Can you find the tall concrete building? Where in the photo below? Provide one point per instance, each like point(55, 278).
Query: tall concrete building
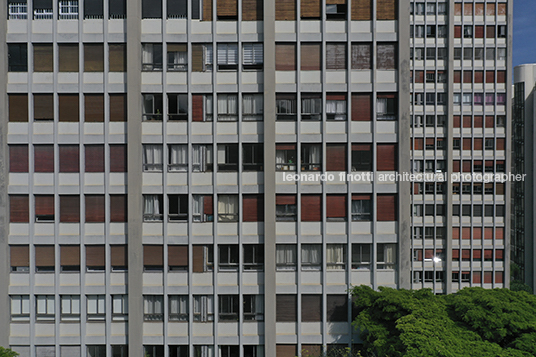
point(159, 189)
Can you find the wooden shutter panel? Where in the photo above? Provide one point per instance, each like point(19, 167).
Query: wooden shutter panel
point(285, 199)
point(198, 256)
point(70, 209)
point(456, 233)
point(153, 255)
point(119, 255)
point(386, 9)
point(457, 76)
point(467, 121)
point(466, 254)
point(68, 57)
point(336, 157)
point(44, 205)
point(253, 208)
point(208, 204)
point(252, 10)
point(479, 76)
point(490, 121)
point(419, 144)
point(488, 277)
point(197, 57)
point(335, 206)
point(118, 57)
point(361, 56)
point(95, 212)
point(501, 76)
point(207, 10)
point(499, 254)
point(310, 9)
point(93, 57)
point(43, 107)
point(285, 10)
point(499, 233)
point(466, 166)
point(70, 255)
point(311, 308)
point(44, 256)
point(387, 209)
point(313, 205)
point(468, 9)
point(95, 256)
point(477, 232)
point(44, 158)
point(501, 9)
point(18, 158)
point(118, 208)
point(490, 77)
point(499, 277)
point(500, 144)
point(467, 77)
point(285, 57)
point(477, 254)
point(18, 107)
point(94, 158)
point(418, 77)
point(178, 255)
point(286, 308)
point(19, 255)
point(488, 233)
point(362, 107)
point(490, 31)
point(479, 9)
point(118, 158)
point(361, 10)
point(69, 158)
point(336, 56)
point(197, 107)
point(386, 56)
point(466, 144)
point(477, 277)
point(386, 157)
point(479, 31)
point(94, 108)
point(68, 107)
point(478, 143)
point(286, 351)
point(118, 107)
point(455, 254)
point(311, 58)
point(457, 31)
point(43, 58)
point(227, 8)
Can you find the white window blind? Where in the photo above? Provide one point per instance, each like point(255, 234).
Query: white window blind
point(253, 53)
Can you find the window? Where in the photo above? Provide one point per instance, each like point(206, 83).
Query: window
point(93, 9)
point(228, 308)
point(253, 307)
point(311, 307)
point(431, 31)
point(19, 258)
point(361, 56)
point(286, 309)
point(311, 107)
point(95, 260)
point(361, 157)
point(117, 56)
point(177, 56)
point(152, 158)
point(203, 258)
point(68, 9)
point(285, 209)
point(311, 256)
point(285, 156)
point(227, 107)
point(386, 107)
point(467, 99)
point(386, 256)
point(17, 11)
point(68, 57)
point(153, 258)
point(152, 107)
point(227, 208)
point(202, 210)
point(45, 307)
point(252, 107)
point(42, 10)
point(417, 8)
point(178, 308)
point(17, 56)
point(311, 157)
point(44, 208)
point(152, 56)
point(336, 11)
point(336, 107)
point(468, 31)
point(501, 31)
point(361, 257)
point(468, 54)
point(178, 351)
point(253, 56)
point(70, 258)
point(153, 351)
point(286, 106)
point(119, 308)
point(228, 254)
point(203, 309)
point(153, 307)
point(178, 106)
point(178, 157)
point(336, 256)
point(253, 157)
point(178, 208)
point(253, 256)
point(202, 55)
point(418, 31)
point(70, 307)
point(286, 257)
point(202, 158)
point(20, 308)
point(153, 208)
point(335, 56)
point(96, 351)
point(227, 56)
point(361, 208)
point(229, 351)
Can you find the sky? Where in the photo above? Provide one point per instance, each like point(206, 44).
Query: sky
point(524, 32)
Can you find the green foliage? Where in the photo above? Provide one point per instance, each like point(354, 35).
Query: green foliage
point(6, 352)
point(473, 322)
point(516, 285)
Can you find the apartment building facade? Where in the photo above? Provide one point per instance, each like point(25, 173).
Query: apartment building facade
point(151, 147)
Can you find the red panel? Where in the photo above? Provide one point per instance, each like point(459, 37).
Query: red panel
point(311, 208)
point(18, 158)
point(118, 158)
point(386, 159)
point(253, 208)
point(197, 107)
point(69, 158)
point(387, 210)
point(336, 206)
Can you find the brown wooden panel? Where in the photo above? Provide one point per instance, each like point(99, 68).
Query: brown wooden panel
point(458, 9)
point(118, 107)
point(178, 255)
point(68, 57)
point(466, 165)
point(479, 31)
point(310, 9)
point(18, 107)
point(479, 9)
point(43, 107)
point(119, 255)
point(153, 255)
point(197, 57)
point(198, 256)
point(337, 308)
point(490, 76)
point(44, 205)
point(501, 76)
point(361, 56)
point(18, 158)
point(227, 8)
point(468, 9)
point(286, 308)
point(286, 351)
point(118, 208)
point(457, 76)
point(44, 158)
point(93, 57)
point(285, 199)
point(418, 77)
point(490, 31)
point(19, 255)
point(361, 10)
point(69, 208)
point(118, 158)
point(252, 10)
point(467, 77)
point(336, 56)
point(208, 204)
point(118, 57)
point(285, 146)
point(455, 254)
point(362, 107)
point(419, 144)
point(44, 256)
point(386, 9)
point(43, 58)
point(285, 10)
point(386, 207)
point(336, 206)
point(95, 212)
point(197, 107)
point(478, 143)
point(95, 256)
point(479, 76)
point(69, 158)
point(285, 57)
point(501, 8)
point(94, 108)
point(457, 31)
point(336, 157)
point(311, 56)
point(500, 144)
point(313, 213)
point(70, 255)
point(207, 10)
point(68, 107)
point(311, 308)
point(490, 9)
point(386, 56)
point(94, 158)
point(253, 208)
point(386, 157)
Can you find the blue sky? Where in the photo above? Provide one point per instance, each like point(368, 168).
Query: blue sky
point(524, 32)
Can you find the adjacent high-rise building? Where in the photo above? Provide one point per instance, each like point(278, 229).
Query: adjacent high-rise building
point(211, 177)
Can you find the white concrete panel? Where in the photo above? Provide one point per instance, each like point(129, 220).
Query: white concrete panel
point(94, 229)
point(94, 78)
point(17, 78)
point(227, 329)
point(386, 227)
point(336, 228)
point(44, 279)
point(118, 128)
point(177, 128)
point(253, 278)
point(253, 228)
point(336, 26)
point(338, 76)
point(177, 278)
point(178, 229)
point(117, 26)
point(311, 328)
point(280, 178)
point(93, 129)
point(68, 26)
point(19, 229)
point(151, 26)
point(19, 279)
point(203, 329)
point(311, 127)
point(251, 26)
point(310, 26)
point(386, 26)
point(44, 330)
point(152, 179)
point(360, 277)
point(252, 128)
point(177, 179)
point(69, 128)
point(286, 328)
point(118, 228)
point(71, 229)
point(95, 329)
point(93, 26)
point(285, 228)
point(153, 329)
point(118, 179)
point(69, 179)
point(151, 78)
point(152, 279)
point(388, 127)
point(119, 329)
point(361, 227)
point(16, 26)
point(311, 228)
point(252, 178)
point(285, 127)
point(227, 178)
point(202, 229)
point(201, 77)
point(228, 278)
point(311, 277)
point(286, 278)
point(202, 128)
point(226, 27)
point(152, 229)
point(285, 76)
point(386, 76)
point(176, 26)
point(252, 77)
point(227, 77)
point(20, 330)
point(18, 179)
point(41, 26)
point(227, 128)
point(117, 77)
point(118, 279)
point(95, 279)
point(43, 128)
point(44, 229)
point(94, 179)
point(177, 329)
point(361, 26)
point(202, 279)
point(336, 277)
point(177, 77)
point(387, 277)
point(285, 26)
point(17, 128)
point(70, 329)
point(253, 328)
point(68, 77)
point(336, 127)
point(227, 229)
point(310, 76)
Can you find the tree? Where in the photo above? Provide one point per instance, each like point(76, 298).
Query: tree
point(6, 352)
